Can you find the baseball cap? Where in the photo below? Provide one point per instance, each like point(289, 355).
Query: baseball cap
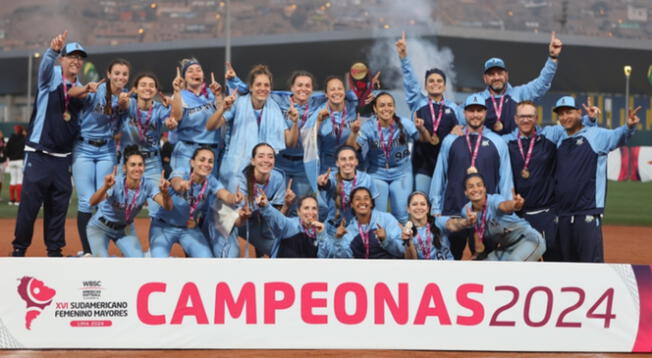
point(73, 47)
point(494, 62)
point(566, 101)
point(474, 100)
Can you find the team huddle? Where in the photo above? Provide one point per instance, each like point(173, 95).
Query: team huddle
point(305, 174)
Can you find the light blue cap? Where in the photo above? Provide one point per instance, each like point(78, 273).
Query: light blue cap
point(73, 47)
point(494, 62)
point(566, 101)
point(474, 100)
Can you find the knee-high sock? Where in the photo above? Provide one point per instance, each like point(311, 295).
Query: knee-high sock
point(82, 222)
point(12, 196)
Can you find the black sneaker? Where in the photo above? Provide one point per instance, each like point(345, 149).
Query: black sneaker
point(54, 253)
point(18, 252)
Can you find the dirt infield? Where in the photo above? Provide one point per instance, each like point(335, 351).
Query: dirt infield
point(623, 244)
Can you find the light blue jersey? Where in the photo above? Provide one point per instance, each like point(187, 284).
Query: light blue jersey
point(196, 111)
point(333, 132)
point(143, 129)
point(423, 242)
point(344, 187)
point(114, 208)
point(352, 244)
point(396, 161)
point(94, 123)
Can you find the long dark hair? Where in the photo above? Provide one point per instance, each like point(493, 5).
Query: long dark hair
point(249, 172)
point(199, 149)
point(108, 108)
point(434, 230)
point(402, 138)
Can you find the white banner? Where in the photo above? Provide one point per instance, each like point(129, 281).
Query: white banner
point(249, 303)
point(645, 164)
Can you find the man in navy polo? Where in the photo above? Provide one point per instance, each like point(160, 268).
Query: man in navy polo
point(477, 151)
point(581, 180)
point(53, 127)
point(501, 98)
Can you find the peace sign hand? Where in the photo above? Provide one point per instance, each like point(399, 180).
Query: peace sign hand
point(375, 81)
point(591, 110)
point(229, 74)
point(59, 41)
point(554, 48)
point(178, 83)
point(293, 113)
point(471, 217)
point(632, 118)
point(401, 46)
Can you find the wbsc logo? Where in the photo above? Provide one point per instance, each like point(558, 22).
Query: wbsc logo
point(37, 297)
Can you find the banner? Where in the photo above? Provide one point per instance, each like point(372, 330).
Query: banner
point(324, 304)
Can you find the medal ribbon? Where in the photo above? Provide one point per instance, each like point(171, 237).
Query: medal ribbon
point(425, 245)
point(310, 231)
point(194, 201)
point(528, 157)
point(304, 117)
point(259, 117)
point(498, 109)
point(435, 123)
point(66, 97)
point(386, 146)
point(474, 152)
point(364, 236)
point(345, 202)
point(479, 230)
point(338, 128)
point(143, 127)
point(129, 207)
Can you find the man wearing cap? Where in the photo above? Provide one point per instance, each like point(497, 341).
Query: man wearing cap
point(477, 151)
point(581, 180)
point(533, 154)
point(53, 128)
point(440, 115)
point(501, 98)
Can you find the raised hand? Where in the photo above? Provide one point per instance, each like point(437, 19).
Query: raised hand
point(235, 197)
point(591, 110)
point(341, 229)
point(178, 83)
point(356, 125)
point(91, 87)
point(554, 48)
point(289, 194)
point(230, 72)
point(370, 98)
point(318, 226)
point(418, 122)
point(261, 198)
point(184, 186)
point(471, 216)
point(163, 184)
point(171, 123)
point(632, 118)
point(165, 100)
point(123, 98)
point(59, 41)
point(518, 201)
point(323, 114)
point(244, 214)
point(293, 113)
point(322, 180)
point(375, 81)
point(401, 46)
point(215, 87)
point(406, 231)
point(109, 179)
point(381, 234)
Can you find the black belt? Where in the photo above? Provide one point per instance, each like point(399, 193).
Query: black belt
point(292, 157)
point(201, 144)
point(95, 143)
point(111, 224)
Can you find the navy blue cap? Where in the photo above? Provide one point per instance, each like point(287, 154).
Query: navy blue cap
point(494, 62)
point(474, 100)
point(73, 47)
point(566, 101)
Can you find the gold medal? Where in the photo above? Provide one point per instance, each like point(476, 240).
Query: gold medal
point(66, 116)
point(525, 173)
point(472, 170)
point(435, 139)
point(191, 223)
point(498, 126)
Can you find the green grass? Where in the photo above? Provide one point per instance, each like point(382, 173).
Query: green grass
point(628, 203)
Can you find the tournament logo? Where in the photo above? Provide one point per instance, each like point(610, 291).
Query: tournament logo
point(37, 297)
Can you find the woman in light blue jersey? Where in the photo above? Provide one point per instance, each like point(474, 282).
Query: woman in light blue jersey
point(120, 199)
point(424, 236)
point(94, 152)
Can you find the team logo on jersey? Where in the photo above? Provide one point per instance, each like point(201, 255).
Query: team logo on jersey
point(447, 111)
point(37, 297)
point(485, 143)
point(579, 141)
